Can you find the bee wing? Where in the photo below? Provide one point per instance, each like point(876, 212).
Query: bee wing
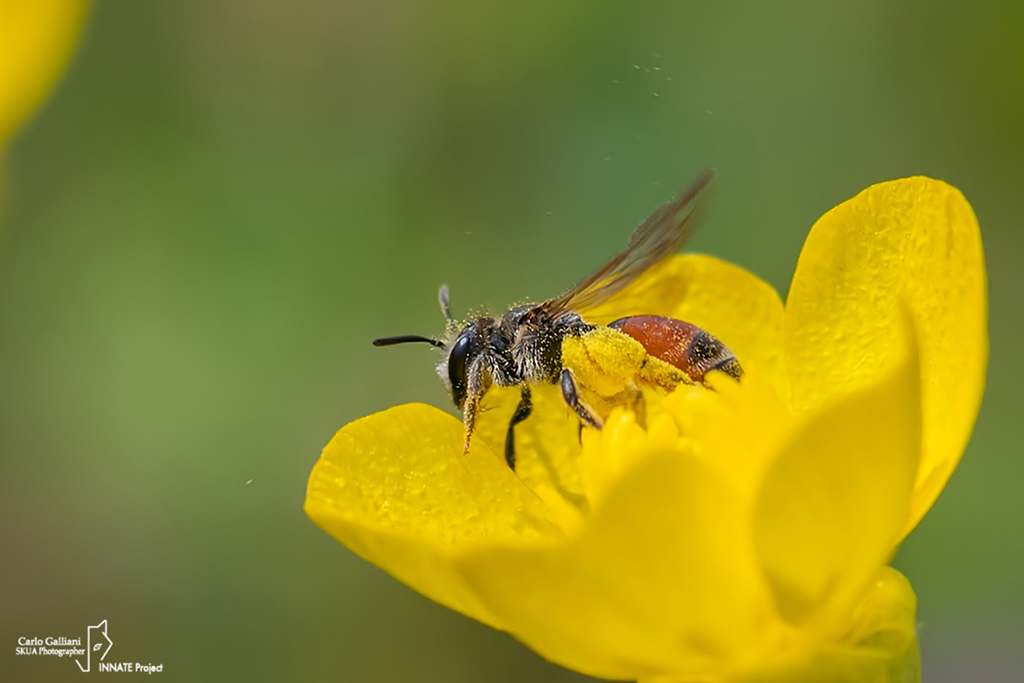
point(664, 232)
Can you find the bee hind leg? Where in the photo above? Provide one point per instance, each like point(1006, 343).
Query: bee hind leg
point(640, 409)
point(635, 400)
point(523, 411)
point(571, 395)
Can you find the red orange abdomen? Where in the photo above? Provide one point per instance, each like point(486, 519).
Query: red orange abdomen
point(679, 343)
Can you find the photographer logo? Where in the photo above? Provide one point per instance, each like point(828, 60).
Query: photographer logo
point(93, 653)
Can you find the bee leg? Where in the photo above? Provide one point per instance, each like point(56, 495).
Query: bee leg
point(640, 408)
point(474, 390)
point(523, 411)
point(469, 409)
point(571, 395)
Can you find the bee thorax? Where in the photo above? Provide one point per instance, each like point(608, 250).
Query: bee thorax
point(537, 349)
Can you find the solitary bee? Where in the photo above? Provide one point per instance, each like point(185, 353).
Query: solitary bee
point(552, 343)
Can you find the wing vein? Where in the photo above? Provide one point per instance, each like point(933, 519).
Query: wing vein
point(664, 232)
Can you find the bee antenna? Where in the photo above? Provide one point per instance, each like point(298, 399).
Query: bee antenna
point(406, 338)
point(443, 299)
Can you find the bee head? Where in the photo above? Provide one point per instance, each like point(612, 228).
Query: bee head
point(454, 369)
point(459, 352)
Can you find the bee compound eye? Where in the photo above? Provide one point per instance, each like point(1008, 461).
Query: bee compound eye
point(458, 360)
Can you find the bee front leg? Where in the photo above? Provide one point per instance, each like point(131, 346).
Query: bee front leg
point(523, 411)
point(571, 395)
point(474, 391)
point(469, 410)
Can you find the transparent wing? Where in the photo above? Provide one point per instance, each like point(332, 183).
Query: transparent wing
point(663, 233)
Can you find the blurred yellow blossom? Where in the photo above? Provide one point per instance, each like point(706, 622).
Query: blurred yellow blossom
point(36, 40)
point(745, 534)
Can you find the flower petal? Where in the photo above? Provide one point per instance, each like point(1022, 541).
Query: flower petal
point(914, 241)
point(36, 37)
point(886, 620)
point(833, 504)
point(396, 488)
point(547, 443)
point(729, 302)
point(738, 428)
point(880, 648)
point(658, 581)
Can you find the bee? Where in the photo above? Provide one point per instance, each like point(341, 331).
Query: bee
point(551, 342)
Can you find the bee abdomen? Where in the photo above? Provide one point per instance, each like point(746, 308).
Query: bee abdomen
point(681, 344)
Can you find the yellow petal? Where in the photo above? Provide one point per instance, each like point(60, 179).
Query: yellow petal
point(886, 620)
point(880, 647)
point(738, 428)
point(36, 37)
point(834, 502)
point(547, 442)
point(658, 581)
point(917, 241)
point(396, 489)
point(729, 302)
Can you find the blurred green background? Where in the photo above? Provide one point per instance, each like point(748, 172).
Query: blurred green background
point(224, 202)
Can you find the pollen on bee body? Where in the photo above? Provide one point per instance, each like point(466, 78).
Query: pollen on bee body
point(604, 361)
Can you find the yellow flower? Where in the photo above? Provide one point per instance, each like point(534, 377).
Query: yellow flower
point(745, 534)
point(36, 38)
